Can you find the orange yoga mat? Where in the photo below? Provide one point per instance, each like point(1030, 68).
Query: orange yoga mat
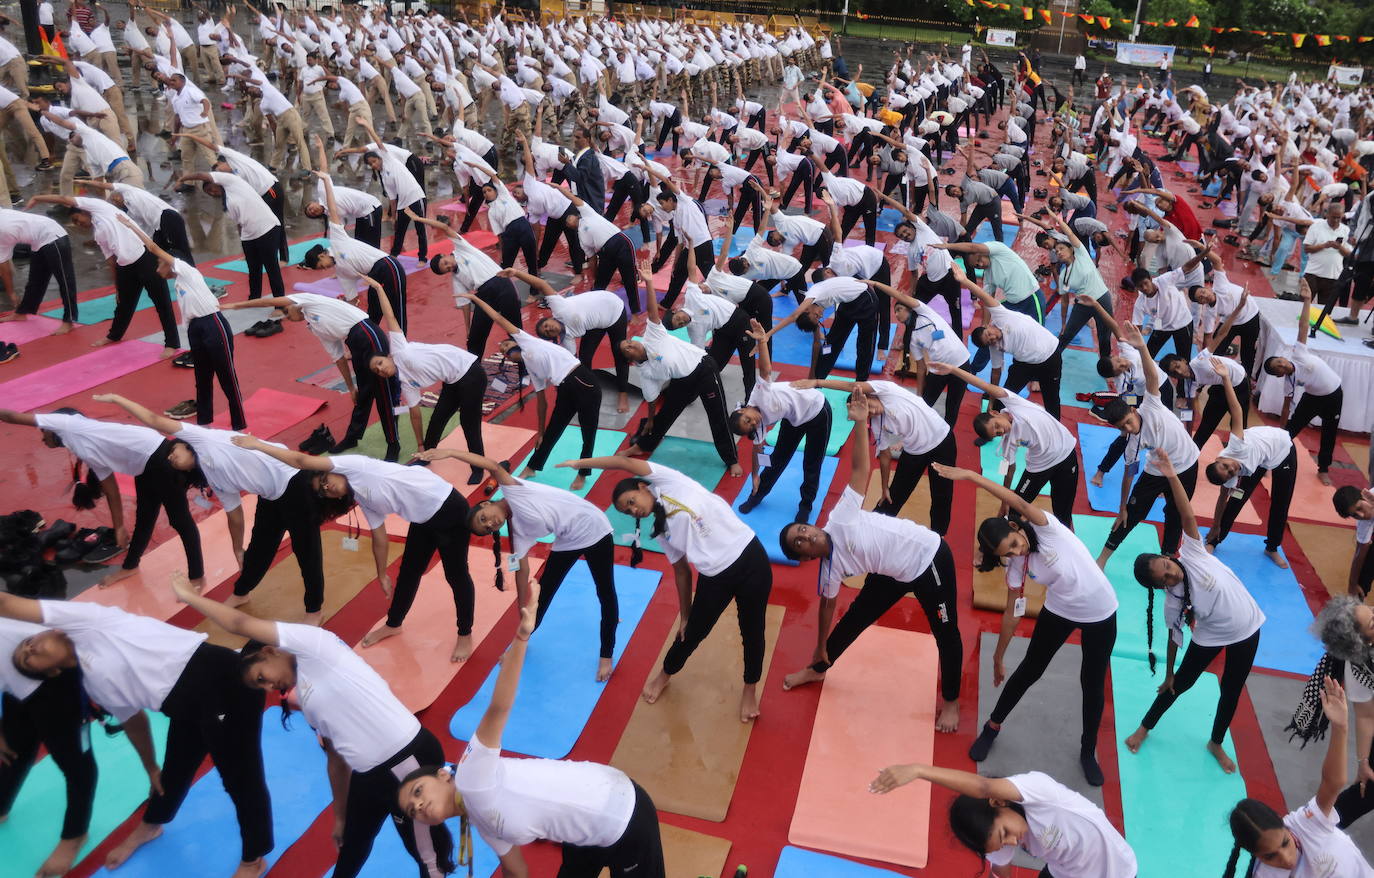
point(1328, 550)
point(1205, 494)
point(415, 662)
point(280, 595)
point(149, 592)
point(686, 749)
point(877, 708)
point(500, 443)
point(1312, 499)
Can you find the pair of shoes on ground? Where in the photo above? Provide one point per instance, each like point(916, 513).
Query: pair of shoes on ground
point(264, 328)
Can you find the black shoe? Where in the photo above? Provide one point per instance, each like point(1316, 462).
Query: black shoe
point(1092, 772)
point(256, 328)
point(318, 441)
point(185, 361)
point(59, 530)
point(982, 745)
point(272, 328)
point(8, 352)
point(750, 505)
point(477, 476)
point(393, 453)
point(343, 445)
point(418, 462)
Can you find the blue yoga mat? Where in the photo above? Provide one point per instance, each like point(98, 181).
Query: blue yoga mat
point(793, 346)
point(296, 251)
point(984, 233)
point(780, 506)
point(1094, 441)
point(204, 836)
point(692, 457)
point(389, 857)
point(800, 863)
point(743, 235)
point(1285, 643)
point(558, 689)
point(888, 218)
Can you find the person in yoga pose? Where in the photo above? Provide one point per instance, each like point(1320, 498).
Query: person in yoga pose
point(1201, 592)
point(370, 739)
point(996, 816)
point(895, 556)
point(599, 816)
point(1033, 544)
point(698, 529)
point(532, 511)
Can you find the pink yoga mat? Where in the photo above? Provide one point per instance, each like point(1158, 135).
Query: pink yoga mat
point(415, 663)
point(877, 708)
point(46, 386)
point(24, 331)
point(269, 411)
point(1205, 494)
point(326, 287)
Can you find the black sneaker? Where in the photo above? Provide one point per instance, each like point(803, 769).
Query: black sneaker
point(8, 352)
point(319, 441)
point(182, 410)
point(343, 445)
point(184, 360)
point(272, 328)
point(45, 165)
point(105, 547)
point(1092, 772)
point(982, 745)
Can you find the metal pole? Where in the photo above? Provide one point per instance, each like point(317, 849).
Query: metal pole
point(1135, 25)
point(1062, 19)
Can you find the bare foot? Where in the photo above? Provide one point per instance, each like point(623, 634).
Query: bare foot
point(622, 403)
point(377, 635)
point(168, 353)
point(1277, 559)
point(603, 670)
point(115, 576)
point(526, 473)
point(635, 451)
point(947, 720)
point(237, 600)
point(1222, 759)
point(101, 342)
point(735, 470)
point(1097, 480)
point(749, 703)
point(461, 649)
point(16, 318)
point(654, 688)
point(59, 862)
point(1325, 478)
point(142, 834)
point(316, 618)
point(251, 869)
point(579, 482)
point(1136, 739)
point(64, 329)
point(801, 678)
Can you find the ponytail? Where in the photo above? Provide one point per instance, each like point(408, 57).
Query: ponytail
point(85, 489)
point(660, 523)
point(496, 552)
point(1147, 579)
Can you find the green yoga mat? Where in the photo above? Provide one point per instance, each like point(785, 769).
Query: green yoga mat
point(991, 455)
point(691, 457)
point(373, 443)
point(1130, 616)
point(297, 252)
point(35, 821)
point(569, 447)
point(840, 425)
point(1173, 767)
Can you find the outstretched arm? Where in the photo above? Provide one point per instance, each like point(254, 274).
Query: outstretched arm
point(508, 679)
point(297, 459)
point(1182, 503)
point(162, 255)
point(538, 285)
point(963, 782)
point(646, 272)
point(991, 390)
point(1030, 512)
point(1130, 334)
point(477, 461)
point(1305, 315)
point(146, 416)
point(1335, 769)
point(231, 620)
point(631, 465)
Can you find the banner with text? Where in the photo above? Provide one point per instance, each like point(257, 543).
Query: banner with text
point(1143, 54)
point(1346, 75)
point(1000, 37)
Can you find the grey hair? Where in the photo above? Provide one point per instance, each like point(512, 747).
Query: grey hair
point(1335, 626)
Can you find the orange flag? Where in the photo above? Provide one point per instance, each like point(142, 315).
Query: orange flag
point(1104, 21)
point(1323, 40)
point(1191, 22)
point(1047, 15)
point(1171, 23)
point(1298, 40)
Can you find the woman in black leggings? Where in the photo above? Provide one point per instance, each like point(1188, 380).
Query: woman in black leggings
point(50, 713)
point(698, 529)
point(533, 511)
point(1201, 592)
point(585, 318)
point(1078, 597)
point(552, 365)
point(896, 557)
point(130, 664)
point(369, 737)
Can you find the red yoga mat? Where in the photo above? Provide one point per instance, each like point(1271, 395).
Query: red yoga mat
point(269, 411)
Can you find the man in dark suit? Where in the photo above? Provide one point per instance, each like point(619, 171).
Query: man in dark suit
point(584, 171)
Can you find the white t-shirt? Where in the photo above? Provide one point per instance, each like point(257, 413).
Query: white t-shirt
point(513, 802)
point(933, 339)
point(104, 446)
point(1022, 337)
point(344, 699)
point(669, 357)
point(420, 365)
point(1260, 447)
point(1205, 376)
point(381, 489)
point(701, 526)
point(1075, 587)
point(906, 421)
point(548, 364)
point(1046, 440)
point(539, 510)
point(1160, 428)
point(1068, 832)
point(245, 206)
point(781, 401)
point(1223, 609)
point(12, 633)
point(1310, 372)
point(1325, 850)
point(128, 663)
point(329, 320)
point(230, 469)
point(866, 542)
point(594, 309)
point(1328, 261)
point(18, 227)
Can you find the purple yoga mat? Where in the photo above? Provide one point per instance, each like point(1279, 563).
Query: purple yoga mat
point(327, 287)
point(46, 386)
point(24, 331)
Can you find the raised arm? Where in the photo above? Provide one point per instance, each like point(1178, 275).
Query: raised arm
point(508, 678)
point(1305, 315)
point(297, 459)
point(1028, 511)
point(496, 316)
point(1335, 768)
point(146, 416)
point(443, 227)
point(1130, 334)
point(231, 620)
point(860, 454)
point(992, 390)
point(963, 782)
point(631, 465)
point(646, 272)
point(1182, 503)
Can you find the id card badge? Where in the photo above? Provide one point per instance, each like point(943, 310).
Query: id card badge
point(1185, 415)
point(512, 563)
point(825, 350)
point(350, 544)
point(937, 335)
point(765, 458)
point(1018, 609)
point(1003, 467)
point(1131, 399)
point(498, 385)
point(1237, 494)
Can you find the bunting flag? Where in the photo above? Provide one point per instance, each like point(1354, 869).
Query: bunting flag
point(1218, 30)
point(55, 48)
point(1323, 39)
point(1171, 23)
point(1027, 12)
point(1005, 6)
point(1090, 19)
point(1191, 22)
point(1047, 15)
point(1363, 39)
point(1210, 50)
point(1262, 33)
point(1297, 40)
point(1343, 38)
point(1104, 21)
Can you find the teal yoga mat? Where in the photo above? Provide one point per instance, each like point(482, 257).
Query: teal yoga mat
point(1079, 375)
point(780, 506)
point(558, 688)
point(569, 447)
point(694, 458)
point(990, 456)
point(35, 821)
point(1130, 616)
point(99, 309)
point(204, 837)
point(296, 251)
point(800, 863)
point(840, 425)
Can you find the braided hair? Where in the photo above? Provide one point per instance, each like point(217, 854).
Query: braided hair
point(495, 546)
point(660, 524)
point(1147, 579)
point(1249, 820)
